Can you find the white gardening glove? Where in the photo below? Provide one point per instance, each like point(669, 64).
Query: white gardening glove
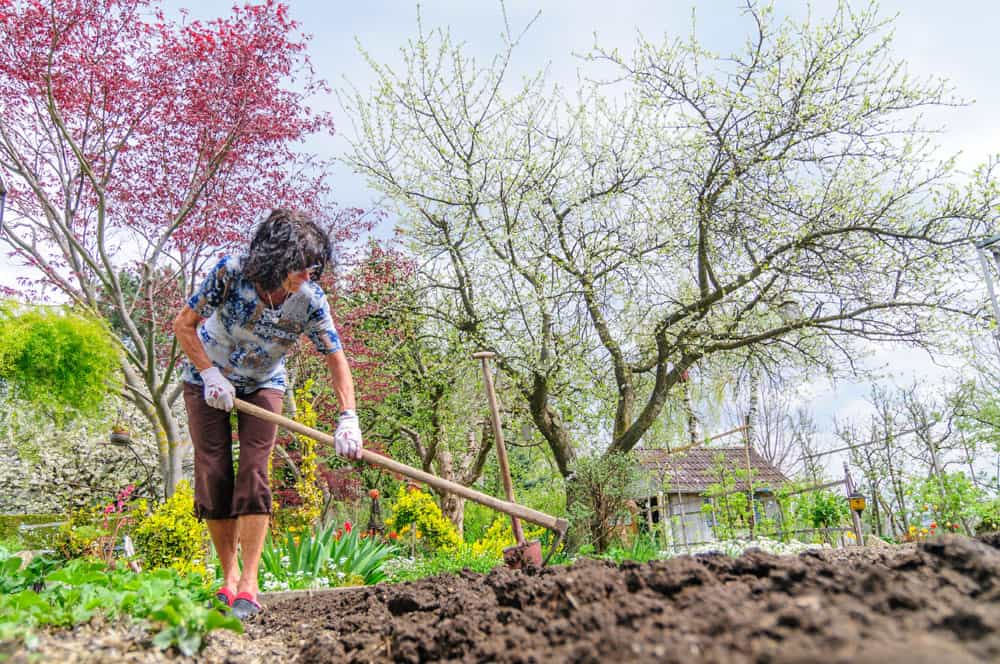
point(219, 392)
point(347, 437)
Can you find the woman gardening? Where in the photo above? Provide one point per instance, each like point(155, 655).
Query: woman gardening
point(236, 330)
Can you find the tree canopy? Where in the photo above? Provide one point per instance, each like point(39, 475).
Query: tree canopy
point(680, 207)
point(136, 149)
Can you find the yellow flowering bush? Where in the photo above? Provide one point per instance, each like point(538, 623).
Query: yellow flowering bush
point(172, 536)
point(417, 510)
point(500, 535)
point(307, 485)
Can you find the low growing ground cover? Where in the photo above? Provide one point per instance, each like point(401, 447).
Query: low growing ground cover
point(173, 610)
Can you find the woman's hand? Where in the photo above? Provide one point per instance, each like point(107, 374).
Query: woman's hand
point(347, 437)
point(219, 392)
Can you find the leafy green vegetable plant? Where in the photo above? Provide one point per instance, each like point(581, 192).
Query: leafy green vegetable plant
point(180, 609)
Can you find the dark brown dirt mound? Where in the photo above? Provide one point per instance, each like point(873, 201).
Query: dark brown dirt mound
point(939, 602)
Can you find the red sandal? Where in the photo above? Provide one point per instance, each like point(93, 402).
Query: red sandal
point(245, 605)
point(225, 595)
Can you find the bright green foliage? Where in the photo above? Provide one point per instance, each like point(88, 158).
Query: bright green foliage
point(15, 576)
point(327, 557)
point(729, 507)
point(180, 608)
point(821, 509)
point(643, 549)
point(417, 510)
point(440, 563)
point(171, 536)
point(597, 499)
point(949, 497)
point(78, 537)
point(56, 359)
point(988, 513)
point(186, 622)
point(37, 538)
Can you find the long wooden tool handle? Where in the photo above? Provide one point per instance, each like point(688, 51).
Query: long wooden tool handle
point(512, 509)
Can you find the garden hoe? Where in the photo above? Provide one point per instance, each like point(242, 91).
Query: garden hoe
point(556, 525)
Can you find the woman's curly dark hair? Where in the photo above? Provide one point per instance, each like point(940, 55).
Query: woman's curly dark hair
point(286, 242)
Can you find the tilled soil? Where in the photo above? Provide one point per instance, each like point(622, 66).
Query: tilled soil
point(935, 602)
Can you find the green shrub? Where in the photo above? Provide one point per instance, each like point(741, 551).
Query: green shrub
point(56, 359)
point(822, 509)
point(417, 510)
point(171, 536)
point(598, 497)
point(79, 536)
point(988, 514)
point(34, 539)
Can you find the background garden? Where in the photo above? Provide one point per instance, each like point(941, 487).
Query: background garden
point(665, 255)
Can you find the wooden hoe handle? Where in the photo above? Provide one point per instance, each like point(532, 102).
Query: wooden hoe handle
point(513, 509)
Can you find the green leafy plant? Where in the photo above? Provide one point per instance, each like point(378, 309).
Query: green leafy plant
point(600, 492)
point(949, 499)
point(16, 576)
point(988, 514)
point(357, 556)
point(186, 623)
point(180, 609)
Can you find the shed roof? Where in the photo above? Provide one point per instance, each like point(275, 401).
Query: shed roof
point(692, 471)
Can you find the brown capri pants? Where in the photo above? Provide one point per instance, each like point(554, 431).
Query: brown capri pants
point(219, 492)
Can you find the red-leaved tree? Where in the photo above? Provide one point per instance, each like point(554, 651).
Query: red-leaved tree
point(136, 149)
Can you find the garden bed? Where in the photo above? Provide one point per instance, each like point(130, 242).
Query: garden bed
point(936, 601)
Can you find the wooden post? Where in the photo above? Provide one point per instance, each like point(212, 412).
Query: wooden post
point(855, 518)
point(746, 451)
point(668, 535)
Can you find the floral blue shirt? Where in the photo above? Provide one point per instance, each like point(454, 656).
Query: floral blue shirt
point(247, 339)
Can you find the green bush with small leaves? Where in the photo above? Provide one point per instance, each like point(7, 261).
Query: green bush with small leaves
point(172, 536)
point(56, 358)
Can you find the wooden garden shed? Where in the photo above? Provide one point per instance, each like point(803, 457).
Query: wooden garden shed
point(673, 485)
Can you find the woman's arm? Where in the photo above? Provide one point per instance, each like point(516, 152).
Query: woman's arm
point(341, 378)
point(186, 329)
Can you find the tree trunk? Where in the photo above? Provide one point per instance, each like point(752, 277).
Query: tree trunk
point(692, 417)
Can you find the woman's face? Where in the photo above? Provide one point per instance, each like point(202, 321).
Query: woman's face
point(294, 280)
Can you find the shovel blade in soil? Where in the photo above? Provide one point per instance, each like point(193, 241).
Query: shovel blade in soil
point(522, 556)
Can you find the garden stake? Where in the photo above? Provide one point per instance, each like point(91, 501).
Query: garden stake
point(523, 554)
point(556, 525)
